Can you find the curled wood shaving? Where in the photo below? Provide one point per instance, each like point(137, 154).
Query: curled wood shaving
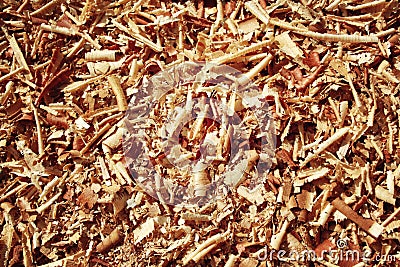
point(340, 37)
point(253, 48)
point(47, 205)
point(108, 55)
point(119, 93)
point(111, 240)
point(205, 247)
point(195, 217)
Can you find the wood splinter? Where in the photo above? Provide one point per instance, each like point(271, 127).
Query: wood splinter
point(244, 51)
point(60, 78)
point(100, 133)
point(277, 239)
point(39, 130)
point(256, 70)
point(19, 56)
point(371, 227)
point(391, 217)
point(336, 136)
point(200, 183)
point(231, 260)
